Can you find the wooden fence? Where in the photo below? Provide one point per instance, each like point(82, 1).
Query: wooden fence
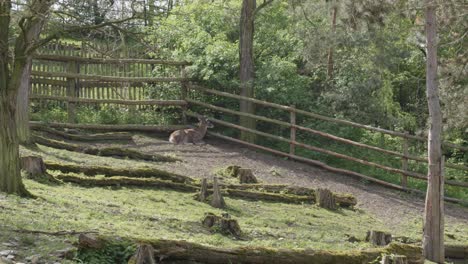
point(64, 76)
point(68, 76)
point(294, 144)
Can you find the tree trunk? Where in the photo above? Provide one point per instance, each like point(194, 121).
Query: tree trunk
point(22, 104)
point(217, 199)
point(332, 44)
point(19, 79)
point(326, 199)
point(247, 66)
point(378, 238)
point(10, 177)
point(433, 240)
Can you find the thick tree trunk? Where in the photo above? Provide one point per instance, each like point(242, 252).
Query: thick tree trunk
point(433, 240)
point(10, 177)
point(20, 75)
point(22, 104)
point(331, 48)
point(247, 66)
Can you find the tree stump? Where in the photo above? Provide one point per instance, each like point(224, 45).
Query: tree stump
point(325, 199)
point(143, 255)
point(217, 200)
point(224, 224)
point(394, 259)
point(378, 238)
point(33, 165)
point(36, 169)
point(203, 191)
point(246, 176)
point(90, 241)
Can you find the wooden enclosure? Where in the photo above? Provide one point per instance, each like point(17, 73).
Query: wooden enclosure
point(69, 76)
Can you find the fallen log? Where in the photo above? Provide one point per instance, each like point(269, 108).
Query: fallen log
point(84, 137)
point(344, 200)
point(270, 197)
point(127, 181)
point(171, 251)
point(104, 152)
point(108, 172)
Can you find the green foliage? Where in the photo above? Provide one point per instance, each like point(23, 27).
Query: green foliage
point(111, 253)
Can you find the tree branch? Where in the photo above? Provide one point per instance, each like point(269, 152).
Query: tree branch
point(261, 6)
point(58, 34)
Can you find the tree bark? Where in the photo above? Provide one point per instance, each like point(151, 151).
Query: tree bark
point(433, 240)
point(332, 44)
point(247, 66)
point(31, 28)
point(10, 177)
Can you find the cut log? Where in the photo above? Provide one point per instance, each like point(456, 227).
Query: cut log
point(203, 191)
point(217, 200)
point(127, 181)
point(108, 171)
point(325, 199)
point(75, 135)
point(394, 259)
point(171, 251)
point(378, 238)
point(143, 255)
point(33, 165)
point(246, 176)
point(223, 224)
point(271, 197)
point(104, 152)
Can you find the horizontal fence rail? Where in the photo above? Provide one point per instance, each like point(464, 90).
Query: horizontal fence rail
point(321, 117)
point(64, 58)
point(405, 156)
point(111, 101)
point(107, 78)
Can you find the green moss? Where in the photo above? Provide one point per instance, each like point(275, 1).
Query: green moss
point(228, 171)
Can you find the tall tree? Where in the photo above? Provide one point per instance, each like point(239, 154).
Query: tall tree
point(332, 44)
point(433, 240)
point(11, 75)
point(247, 66)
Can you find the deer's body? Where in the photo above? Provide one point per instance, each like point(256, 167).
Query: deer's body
point(191, 135)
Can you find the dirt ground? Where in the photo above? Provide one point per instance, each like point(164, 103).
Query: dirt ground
point(392, 207)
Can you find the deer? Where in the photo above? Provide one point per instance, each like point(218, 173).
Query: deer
point(191, 135)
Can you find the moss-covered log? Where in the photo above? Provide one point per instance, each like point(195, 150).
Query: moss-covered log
point(170, 251)
point(104, 152)
point(84, 137)
point(344, 200)
point(108, 171)
point(127, 181)
point(271, 197)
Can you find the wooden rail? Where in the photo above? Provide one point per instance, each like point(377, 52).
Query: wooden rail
point(145, 128)
point(293, 143)
point(107, 78)
point(65, 58)
point(321, 117)
point(110, 101)
point(328, 152)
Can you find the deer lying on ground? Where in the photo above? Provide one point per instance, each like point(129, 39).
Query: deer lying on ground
point(191, 135)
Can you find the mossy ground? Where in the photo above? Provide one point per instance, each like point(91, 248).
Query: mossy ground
point(166, 214)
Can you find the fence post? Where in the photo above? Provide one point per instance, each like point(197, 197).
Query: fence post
point(184, 93)
point(404, 162)
point(292, 146)
point(72, 90)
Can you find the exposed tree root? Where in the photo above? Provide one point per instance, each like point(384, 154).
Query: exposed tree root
point(85, 137)
point(170, 251)
point(108, 171)
point(104, 152)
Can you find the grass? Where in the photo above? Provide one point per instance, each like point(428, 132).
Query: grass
point(144, 213)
